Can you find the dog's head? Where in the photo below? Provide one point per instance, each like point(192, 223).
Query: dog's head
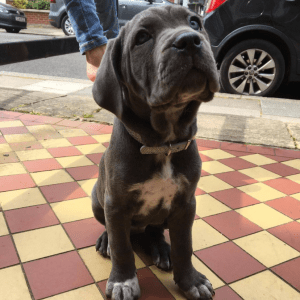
point(161, 59)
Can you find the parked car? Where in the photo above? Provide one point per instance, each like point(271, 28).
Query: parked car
point(12, 19)
point(256, 43)
point(127, 10)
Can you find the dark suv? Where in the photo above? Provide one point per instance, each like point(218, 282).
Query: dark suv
point(256, 43)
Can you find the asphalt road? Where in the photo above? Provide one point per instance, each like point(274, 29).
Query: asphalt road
point(74, 66)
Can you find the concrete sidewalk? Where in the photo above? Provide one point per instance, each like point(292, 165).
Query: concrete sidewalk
point(250, 120)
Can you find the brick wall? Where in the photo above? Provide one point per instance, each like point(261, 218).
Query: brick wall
point(35, 16)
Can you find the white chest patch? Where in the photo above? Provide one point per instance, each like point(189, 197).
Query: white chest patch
point(161, 187)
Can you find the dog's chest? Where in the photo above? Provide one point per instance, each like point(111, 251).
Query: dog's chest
point(158, 192)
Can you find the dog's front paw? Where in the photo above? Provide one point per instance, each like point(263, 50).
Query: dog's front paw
point(196, 286)
point(102, 245)
point(127, 290)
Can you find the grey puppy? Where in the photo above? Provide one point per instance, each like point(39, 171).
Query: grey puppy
point(153, 77)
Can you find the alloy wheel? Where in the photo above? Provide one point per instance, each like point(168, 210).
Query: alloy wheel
point(68, 27)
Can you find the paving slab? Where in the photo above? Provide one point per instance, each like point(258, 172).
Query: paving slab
point(295, 132)
point(280, 107)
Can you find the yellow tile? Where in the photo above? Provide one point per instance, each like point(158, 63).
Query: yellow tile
point(295, 163)
point(21, 198)
point(263, 215)
point(72, 132)
point(102, 138)
point(12, 284)
point(166, 278)
point(211, 184)
point(7, 124)
point(259, 174)
point(5, 148)
point(73, 210)
point(12, 169)
point(217, 154)
point(55, 143)
point(295, 178)
point(215, 167)
point(87, 185)
point(51, 177)
point(18, 138)
point(3, 227)
point(42, 242)
point(296, 196)
point(205, 236)
point(90, 292)
point(266, 248)
point(39, 129)
point(33, 154)
point(266, 286)
point(261, 191)
point(206, 205)
point(89, 149)
point(258, 159)
point(99, 266)
point(74, 161)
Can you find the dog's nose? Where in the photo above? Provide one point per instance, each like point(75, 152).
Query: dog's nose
point(187, 42)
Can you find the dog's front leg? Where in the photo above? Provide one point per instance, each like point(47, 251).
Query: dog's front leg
point(122, 283)
point(194, 284)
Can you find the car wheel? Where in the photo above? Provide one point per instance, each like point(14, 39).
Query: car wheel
point(67, 26)
point(12, 30)
point(252, 67)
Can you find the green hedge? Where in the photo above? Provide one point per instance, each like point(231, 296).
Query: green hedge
point(20, 4)
point(38, 4)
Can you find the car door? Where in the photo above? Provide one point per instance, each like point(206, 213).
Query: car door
point(286, 18)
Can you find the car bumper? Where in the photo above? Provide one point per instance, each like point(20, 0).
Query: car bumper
point(10, 21)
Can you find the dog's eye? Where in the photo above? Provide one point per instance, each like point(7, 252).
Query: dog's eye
point(142, 37)
point(195, 23)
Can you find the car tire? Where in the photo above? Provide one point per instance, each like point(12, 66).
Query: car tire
point(252, 67)
point(12, 30)
point(66, 26)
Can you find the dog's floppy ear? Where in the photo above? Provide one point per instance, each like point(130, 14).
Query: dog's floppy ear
point(106, 88)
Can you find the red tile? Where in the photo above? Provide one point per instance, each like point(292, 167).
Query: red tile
point(289, 233)
point(14, 130)
point(9, 114)
point(106, 144)
point(288, 153)
point(64, 151)
point(151, 287)
point(236, 178)
point(238, 153)
point(78, 230)
point(62, 192)
point(278, 158)
point(82, 140)
point(56, 274)
point(95, 157)
point(287, 205)
point(226, 293)
point(284, 185)
point(28, 117)
point(200, 148)
point(48, 120)
point(233, 146)
point(205, 158)
point(196, 217)
point(290, 272)
point(26, 146)
point(8, 255)
point(16, 182)
point(69, 123)
point(29, 218)
point(281, 169)
point(6, 119)
point(42, 165)
point(31, 123)
point(237, 163)
point(91, 126)
point(232, 224)
point(229, 261)
point(85, 172)
point(2, 140)
point(106, 129)
point(199, 192)
point(234, 198)
point(204, 173)
point(208, 143)
point(260, 150)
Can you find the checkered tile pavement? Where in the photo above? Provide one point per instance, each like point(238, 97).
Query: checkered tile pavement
point(246, 235)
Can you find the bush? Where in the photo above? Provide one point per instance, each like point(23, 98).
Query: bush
point(20, 3)
point(38, 4)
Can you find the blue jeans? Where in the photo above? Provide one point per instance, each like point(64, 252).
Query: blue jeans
point(94, 21)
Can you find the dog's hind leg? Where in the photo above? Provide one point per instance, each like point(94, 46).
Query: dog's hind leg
point(160, 249)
